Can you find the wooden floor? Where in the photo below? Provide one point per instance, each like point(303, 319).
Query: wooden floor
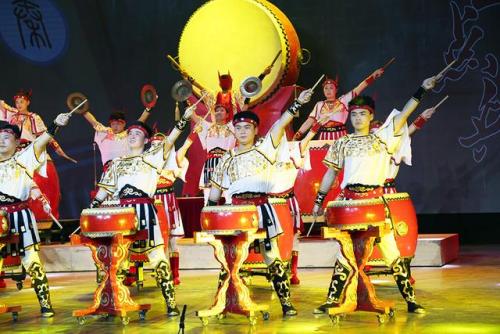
point(463, 297)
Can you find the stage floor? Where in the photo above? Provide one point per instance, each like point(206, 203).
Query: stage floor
point(462, 297)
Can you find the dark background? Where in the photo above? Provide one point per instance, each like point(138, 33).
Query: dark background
point(114, 47)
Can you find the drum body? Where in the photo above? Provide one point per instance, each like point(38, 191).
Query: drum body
point(255, 31)
point(404, 224)
point(108, 221)
point(355, 214)
point(225, 219)
point(308, 181)
point(285, 240)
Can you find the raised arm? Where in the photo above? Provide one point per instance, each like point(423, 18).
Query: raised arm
point(420, 121)
point(182, 151)
point(145, 115)
point(412, 104)
point(278, 128)
point(41, 141)
point(367, 82)
point(304, 143)
point(179, 127)
point(60, 152)
point(91, 119)
point(324, 188)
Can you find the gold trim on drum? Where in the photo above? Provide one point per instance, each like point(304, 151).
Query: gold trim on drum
point(230, 208)
point(401, 228)
point(107, 210)
point(229, 232)
point(109, 203)
point(276, 201)
point(396, 196)
point(358, 227)
point(354, 202)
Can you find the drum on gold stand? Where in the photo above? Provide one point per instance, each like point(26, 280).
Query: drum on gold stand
point(355, 224)
point(7, 238)
point(108, 232)
point(229, 229)
point(254, 264)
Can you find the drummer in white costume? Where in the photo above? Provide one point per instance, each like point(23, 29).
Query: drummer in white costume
point(245, 173)
point(365, 159)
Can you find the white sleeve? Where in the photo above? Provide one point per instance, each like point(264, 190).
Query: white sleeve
point(268, 148)
point(398, 144)
point(157, 156)
point(204, 133)
point(29, 160)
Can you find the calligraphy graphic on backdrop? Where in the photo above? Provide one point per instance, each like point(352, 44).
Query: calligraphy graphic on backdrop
point(467, 33)
point(33, 29)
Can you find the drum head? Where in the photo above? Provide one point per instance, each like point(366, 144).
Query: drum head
point(75, 99)
point(241, 37)
point(181, 90)
point(149, 96)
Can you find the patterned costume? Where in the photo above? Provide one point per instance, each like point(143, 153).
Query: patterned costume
point(111, 145)
point(335, 127)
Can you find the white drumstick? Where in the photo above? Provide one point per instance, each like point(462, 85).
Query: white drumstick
point(78, 229)
point(446, 68)
point(311, 227)
point(317, 82)
point(55, 220)
point(441, 102)
point(78, 106)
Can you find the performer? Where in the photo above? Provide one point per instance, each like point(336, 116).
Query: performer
point(112, 139)
point(365, 159)
point(216, 137)
point(133, 179)
point(338, 108)
point(295, 157)
point(16, 181)
point(165, 193)
point(245, 173)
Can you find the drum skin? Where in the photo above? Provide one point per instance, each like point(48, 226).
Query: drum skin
point(405, 225)
point(240, 37)
point(108, 221)
point(285, 240)
point(308, 181)
point(355, 214)
point(229, 218)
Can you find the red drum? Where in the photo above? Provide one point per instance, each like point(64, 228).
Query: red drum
point(49, 186)
point(9, 261)
point(162, 220)
point(108, 221)
point(357, 214)
point(307, 184)
point(285, 241)
point(228, 218)
point(405, 226)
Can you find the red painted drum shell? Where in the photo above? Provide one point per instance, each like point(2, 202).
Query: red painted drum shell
point(229, 217)
point(108, 221)
point(355, 214)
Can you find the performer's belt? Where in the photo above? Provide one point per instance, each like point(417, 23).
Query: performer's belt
point(249, 198)
point(14, 207)
point(333, 126)
point(164, 190)
point(361, 191)
point(136, 200)
point(216, 153)
point(285, 194)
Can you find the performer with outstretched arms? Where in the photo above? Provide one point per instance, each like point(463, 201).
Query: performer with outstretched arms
point(133, 179)
point(216, 138)
point(365, 159)
point(337, 108)
point(16, 181)
point(112, 139)
point(245, 173)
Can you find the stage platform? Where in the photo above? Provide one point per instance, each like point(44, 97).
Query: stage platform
point(433, 250)
point(463, 297)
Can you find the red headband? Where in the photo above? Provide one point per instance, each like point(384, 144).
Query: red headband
point(117, 120)
point(9, 131)
point(138, 127)
point(365, 106)
point(330, 81)
point(243, 119)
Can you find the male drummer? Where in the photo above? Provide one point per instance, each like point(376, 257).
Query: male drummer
point(133, 179)
point(16, 182)
point(365, 159)
point(245, 173)
point(112, 139)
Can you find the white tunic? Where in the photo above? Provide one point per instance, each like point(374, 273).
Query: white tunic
point(286, 170)
point(341, 117)
point(213, 135)
point(111, 145)
point(366, 159)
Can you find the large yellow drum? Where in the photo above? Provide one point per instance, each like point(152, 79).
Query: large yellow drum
point(243, 37)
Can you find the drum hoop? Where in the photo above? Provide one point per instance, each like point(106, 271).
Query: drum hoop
point(107, 210)
point(396, 196)
point(277, 201)
point(359, 226)
point(354, 203)
point(230, 231)
point(230, 208)
point(278, 24)
point(105, 234)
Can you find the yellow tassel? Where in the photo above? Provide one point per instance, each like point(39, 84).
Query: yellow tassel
point(177, 112)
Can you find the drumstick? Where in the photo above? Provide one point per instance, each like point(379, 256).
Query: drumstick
point(55, 220)
point(78, 229)
point(78, 106)
point(276, 57)
point(446, 69)
point(441, 102)
point(389, 63)
point(310, 227)
point(317, 82)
